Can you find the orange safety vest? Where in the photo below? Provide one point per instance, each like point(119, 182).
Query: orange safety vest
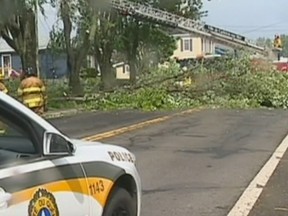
point(277, 42)
point(32, 92)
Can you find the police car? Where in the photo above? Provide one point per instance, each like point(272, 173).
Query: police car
point(45, 173)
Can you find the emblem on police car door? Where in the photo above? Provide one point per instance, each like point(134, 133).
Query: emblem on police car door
point(43, 204)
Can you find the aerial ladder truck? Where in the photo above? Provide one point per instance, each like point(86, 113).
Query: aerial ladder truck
point(199, 28)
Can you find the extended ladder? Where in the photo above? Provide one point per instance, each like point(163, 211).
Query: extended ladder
point(196, 27)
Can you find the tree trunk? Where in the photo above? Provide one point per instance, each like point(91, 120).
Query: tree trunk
point(133, 69)
point(23, 62)
point(74, 78)
point(108, 75)
point(28, 59)
point(74, 83)
point(20, 35)
point(108, 79)
point(29, 45)
point(132, 45)
point(73, 64)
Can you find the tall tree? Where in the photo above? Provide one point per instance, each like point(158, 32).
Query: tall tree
point(136, 31)
point(284, 39)
point(133, 32)
point(96, 31)
point(19, 31)
point(192, 9)
point(8, 9)
point(78, 14)
point(104, 45)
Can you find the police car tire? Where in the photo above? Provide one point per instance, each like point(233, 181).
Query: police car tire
point(120, 199)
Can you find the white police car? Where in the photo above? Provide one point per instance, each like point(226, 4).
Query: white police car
point(44, 173)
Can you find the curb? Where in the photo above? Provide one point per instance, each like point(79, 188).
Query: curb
point(63, 113)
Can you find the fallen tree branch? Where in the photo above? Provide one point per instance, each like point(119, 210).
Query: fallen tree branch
point(156, 82)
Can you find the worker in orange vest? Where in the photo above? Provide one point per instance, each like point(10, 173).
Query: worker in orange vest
point(277, 42)
point(32, 92)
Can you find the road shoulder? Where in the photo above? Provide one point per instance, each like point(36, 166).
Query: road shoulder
point(273, 200)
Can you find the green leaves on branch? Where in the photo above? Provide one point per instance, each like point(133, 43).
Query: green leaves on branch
point(233, 83)
point(57, 41)
point(191, 9)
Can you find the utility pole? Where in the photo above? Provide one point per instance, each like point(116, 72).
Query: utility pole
point(37, 38)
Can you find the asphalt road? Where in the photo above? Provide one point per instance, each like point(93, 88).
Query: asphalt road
point(200, 163)
point(86, 124)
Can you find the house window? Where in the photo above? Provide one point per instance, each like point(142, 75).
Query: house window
point(6, 61)
point(202, 45)
point(186, 44)
point(211, 47)
point(206, 46)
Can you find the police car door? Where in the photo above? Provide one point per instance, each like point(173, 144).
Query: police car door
point(31, 184)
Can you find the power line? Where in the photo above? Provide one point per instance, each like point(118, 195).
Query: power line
point(262, 27)
point(266, 30)
point(250, 27)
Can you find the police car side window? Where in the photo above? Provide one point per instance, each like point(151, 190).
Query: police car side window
point(14, 139)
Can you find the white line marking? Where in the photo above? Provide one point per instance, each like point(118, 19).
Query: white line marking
point(251, 194)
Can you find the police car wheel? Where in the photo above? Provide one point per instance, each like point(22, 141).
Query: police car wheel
point(120, 204)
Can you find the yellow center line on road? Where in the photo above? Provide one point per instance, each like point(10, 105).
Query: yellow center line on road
point(136, 126)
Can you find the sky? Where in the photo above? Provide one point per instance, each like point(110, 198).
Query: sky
point(252, 18)
point(46, 22)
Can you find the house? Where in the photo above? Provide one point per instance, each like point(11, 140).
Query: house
point(190, 46)
point(50, 64)
point(122, 70)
